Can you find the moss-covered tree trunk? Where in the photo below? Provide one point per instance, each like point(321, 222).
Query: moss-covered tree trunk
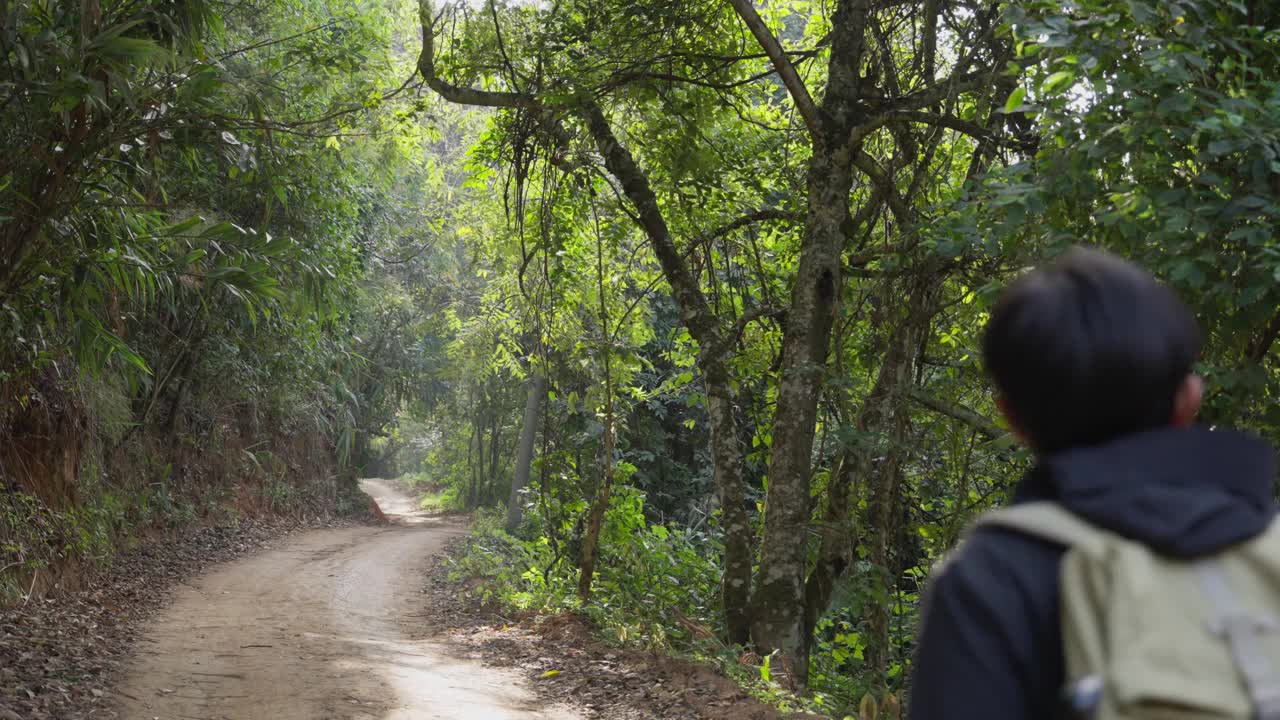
point(779, 600)
point(778, 604)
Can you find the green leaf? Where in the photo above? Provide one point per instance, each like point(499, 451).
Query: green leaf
point(182, 227)
point(1015, 100)
point(1219, 148)
point(127, 48)
point(1057, 82)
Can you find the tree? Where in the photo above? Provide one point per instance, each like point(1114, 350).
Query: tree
point(713, 338)
point(561, 92)
point(1160, 138)
point(891, 95)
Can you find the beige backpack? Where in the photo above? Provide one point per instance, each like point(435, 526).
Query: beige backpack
point(1148, 637)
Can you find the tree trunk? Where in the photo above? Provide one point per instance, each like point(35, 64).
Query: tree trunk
point(591, 539)
point(778, 606)
point(890, 413)
point(735, 584)
point(475, 449)
point(477, 482)
point(885, 510)
point(524, 452)
point(856, 463)
point(173, 416)
point(713, 348)
point(835, 553)
point(490, 494)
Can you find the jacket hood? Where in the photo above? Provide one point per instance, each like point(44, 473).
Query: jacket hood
point(1183, 492)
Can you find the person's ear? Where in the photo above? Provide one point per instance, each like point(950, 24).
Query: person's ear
point(1012, 419)
point(1186, 403)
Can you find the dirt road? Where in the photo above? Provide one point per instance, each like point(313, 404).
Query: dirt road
point(319, 628)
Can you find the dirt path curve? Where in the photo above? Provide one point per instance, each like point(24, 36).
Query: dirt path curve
point(318, 628)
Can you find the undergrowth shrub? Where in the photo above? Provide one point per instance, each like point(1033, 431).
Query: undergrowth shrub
point(655, 585)
point(431, 495)
point(33, 535)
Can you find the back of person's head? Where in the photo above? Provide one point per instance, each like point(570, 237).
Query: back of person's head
point(1088, 349)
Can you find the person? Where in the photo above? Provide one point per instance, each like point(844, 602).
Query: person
point(1092, 362)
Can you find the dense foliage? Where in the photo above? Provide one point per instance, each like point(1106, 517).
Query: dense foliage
point(188, 328)
point(691, 290)
point(986, 138)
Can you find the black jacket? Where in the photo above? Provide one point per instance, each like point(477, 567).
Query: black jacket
point(990, 647)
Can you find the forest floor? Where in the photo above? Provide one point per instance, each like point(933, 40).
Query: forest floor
point(344, 620)
point(61, 656)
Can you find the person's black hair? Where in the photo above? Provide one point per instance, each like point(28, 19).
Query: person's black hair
point(1087, 349)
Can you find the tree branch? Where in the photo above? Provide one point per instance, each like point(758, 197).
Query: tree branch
point(884, 184)
point(751, 315)
point(454, 93)
point(274, 41)
point(918, 100)
point(957, 412)
point(620, 79)
point(1259, 348)
point(790, 78)
point(842, 102)
point(967, 127)
point(753, 218)
point(694, 310)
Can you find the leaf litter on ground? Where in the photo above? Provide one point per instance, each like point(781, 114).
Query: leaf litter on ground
point(62, 655)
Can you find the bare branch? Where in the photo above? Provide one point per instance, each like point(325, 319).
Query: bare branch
point(940, 91)
point(502, 46)
point(972, 129)
point(758, 312)
point(919, 100)
point(274, 41)
point(790, 78)
point(1262, 345)
point(620, 79)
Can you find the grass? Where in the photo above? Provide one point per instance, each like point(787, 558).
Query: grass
point(432, 497)
point(437, 501)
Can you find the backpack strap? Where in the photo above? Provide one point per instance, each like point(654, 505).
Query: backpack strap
point(1042, 519)
point(1243, 632)
point(1050, 521)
